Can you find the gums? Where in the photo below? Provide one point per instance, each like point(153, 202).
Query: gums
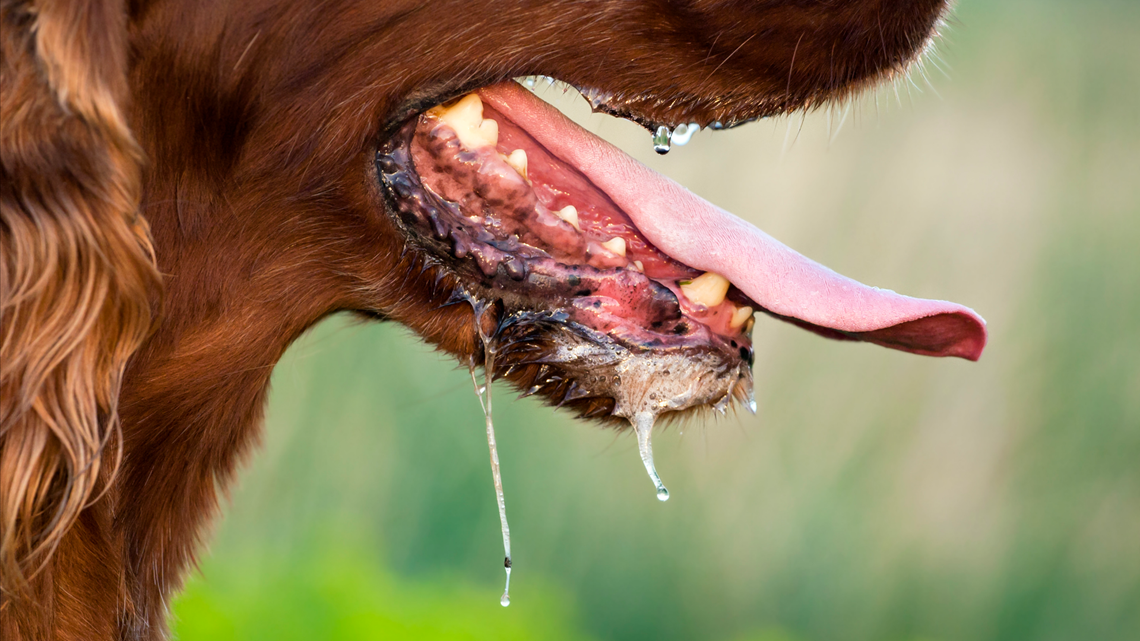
point(506, 226)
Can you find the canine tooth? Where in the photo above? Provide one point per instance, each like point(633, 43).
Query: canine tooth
point(570, 215)
point(740, 316)
point(517, 159)
point(466, 118)
point(615, 245)
point(708, 289)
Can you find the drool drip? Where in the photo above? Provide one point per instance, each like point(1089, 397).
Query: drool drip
point(484, 394)
point(661, 140)
point(643, 425)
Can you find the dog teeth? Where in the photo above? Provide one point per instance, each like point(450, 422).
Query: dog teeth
point(466, 118)
point(487, 135)
point(569, 214)
point(708, 289)
point(517, 159)
point(637, 264)
point(615, 245)
point(740, 316)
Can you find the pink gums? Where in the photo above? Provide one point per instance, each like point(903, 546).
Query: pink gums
point(491, 195)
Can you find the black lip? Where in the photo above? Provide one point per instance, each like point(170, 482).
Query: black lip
point(399, 181)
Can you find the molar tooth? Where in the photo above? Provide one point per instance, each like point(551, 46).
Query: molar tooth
point(570, 215)
point(517, 159)
point(708, 289)
point(740, 316)
point(615, 245)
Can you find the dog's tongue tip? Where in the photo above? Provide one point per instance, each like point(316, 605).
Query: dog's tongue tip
point(787, 284)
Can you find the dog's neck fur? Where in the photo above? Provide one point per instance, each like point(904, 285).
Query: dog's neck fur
point(192, 408)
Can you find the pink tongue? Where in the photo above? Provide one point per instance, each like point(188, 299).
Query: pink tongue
point(706, 237)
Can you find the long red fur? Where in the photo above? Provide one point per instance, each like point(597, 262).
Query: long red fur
point(129, 398)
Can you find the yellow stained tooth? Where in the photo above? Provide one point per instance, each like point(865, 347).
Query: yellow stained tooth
point(569, 214)
point(708, 289)
point(740, 316)
point(615, 245)
point(465, 116)
point(517, 159)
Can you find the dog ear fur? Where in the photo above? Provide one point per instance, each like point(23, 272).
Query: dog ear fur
point(77, 275)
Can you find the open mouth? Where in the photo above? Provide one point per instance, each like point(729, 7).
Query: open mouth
point(606, 287)
point(615, 290)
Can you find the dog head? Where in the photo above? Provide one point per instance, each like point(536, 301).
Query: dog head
point(304, 147)
point(294, 159)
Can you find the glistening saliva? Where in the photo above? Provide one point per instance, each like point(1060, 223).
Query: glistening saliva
point(571, 301)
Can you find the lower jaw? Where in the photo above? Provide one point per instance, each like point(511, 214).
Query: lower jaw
point(555, 341)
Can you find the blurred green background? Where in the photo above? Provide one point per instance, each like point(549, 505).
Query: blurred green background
point(876, 495)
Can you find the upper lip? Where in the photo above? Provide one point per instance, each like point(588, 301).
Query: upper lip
point(619, 107)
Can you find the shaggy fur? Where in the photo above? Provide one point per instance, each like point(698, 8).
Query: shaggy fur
point(127, 399)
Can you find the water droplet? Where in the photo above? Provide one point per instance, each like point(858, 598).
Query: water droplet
point(683, 133)
point(661, 140)
point(752, 405)
point(643, 427)
point(529, 81)
point(722, 405)
point(506, 599)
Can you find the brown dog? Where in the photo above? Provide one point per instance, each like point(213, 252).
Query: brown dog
point(189, 186)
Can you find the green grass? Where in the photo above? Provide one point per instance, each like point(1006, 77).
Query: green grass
point(335, 590)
